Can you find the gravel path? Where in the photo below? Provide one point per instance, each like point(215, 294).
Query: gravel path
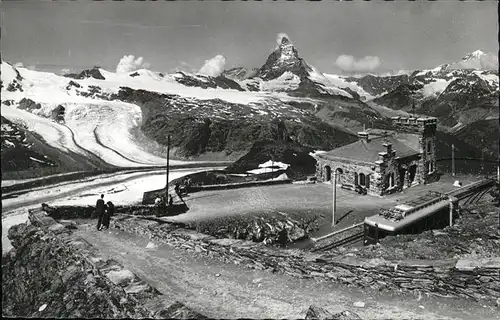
point(223, 290)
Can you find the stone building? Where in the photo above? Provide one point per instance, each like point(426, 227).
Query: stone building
point(384, 161)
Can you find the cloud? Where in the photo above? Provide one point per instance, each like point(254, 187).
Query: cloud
point(65, 71)
point(280, 37)
point(213, 67)
point(129, 63)
point(350, 64)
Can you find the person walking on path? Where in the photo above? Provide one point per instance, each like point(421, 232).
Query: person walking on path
point(158, 205)
point(99, 210)
point(110, 210)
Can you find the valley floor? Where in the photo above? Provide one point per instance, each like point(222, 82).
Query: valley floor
point(222, 290)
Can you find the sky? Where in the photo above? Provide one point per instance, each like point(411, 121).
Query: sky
point(335, 37)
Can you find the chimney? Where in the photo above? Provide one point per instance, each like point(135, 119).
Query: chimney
point(388, 149)
point(363, 135)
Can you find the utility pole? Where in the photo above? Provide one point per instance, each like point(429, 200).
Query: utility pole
point(452, 160)
point(334, 195)
point(168, 167)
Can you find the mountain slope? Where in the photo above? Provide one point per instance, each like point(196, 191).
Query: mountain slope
point(124, 119)
point(215, 126)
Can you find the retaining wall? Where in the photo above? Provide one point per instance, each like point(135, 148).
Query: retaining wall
point(86, 212)
point(472, 279)
point(50, 273)
point(149, 196)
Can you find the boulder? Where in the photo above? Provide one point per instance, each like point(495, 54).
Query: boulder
point(178, 310)
point(319, 313)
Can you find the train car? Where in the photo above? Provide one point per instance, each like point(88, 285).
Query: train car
point(425, 213)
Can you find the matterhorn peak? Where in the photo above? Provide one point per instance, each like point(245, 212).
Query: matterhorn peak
point(285, 41)
point(284, 58)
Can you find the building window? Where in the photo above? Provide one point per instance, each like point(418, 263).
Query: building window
point(362, 181)
point(431, 168)
point(429, 146)
point(328, 173)
point(391, 180)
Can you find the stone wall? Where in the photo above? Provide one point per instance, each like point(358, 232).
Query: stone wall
point(43, 276)
point(87, 212)
point(149, 196)
point(426, 128)
point(51, 274)
point(472, 279)
point(348, 168)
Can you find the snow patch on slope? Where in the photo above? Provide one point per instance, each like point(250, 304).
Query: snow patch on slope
point(287, 81)
point(329, 86)
point(148, 81)
point(340, 82)
point(436, 87)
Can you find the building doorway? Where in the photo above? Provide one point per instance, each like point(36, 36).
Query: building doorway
point(413, 172)
point(402, 176)
point(391, 180)
point(328, 173)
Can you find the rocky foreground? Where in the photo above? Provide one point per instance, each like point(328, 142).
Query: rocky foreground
point(49, 274)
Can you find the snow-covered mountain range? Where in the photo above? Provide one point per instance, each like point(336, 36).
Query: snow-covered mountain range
point(123, 119)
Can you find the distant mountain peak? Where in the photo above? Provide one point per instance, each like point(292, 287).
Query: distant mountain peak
point(95, 73)
point(285, 40)
point(473, 55)
point(284, 58)
point(477, 60)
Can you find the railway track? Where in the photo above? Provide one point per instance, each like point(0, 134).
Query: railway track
point(338, 238)
point(347, 240)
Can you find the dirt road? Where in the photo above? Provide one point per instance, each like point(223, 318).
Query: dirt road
point(222, 290)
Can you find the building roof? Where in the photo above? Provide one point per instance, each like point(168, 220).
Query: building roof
point(405, 145)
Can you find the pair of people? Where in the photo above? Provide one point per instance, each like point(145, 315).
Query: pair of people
point(160, 204)
point(104, 212)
